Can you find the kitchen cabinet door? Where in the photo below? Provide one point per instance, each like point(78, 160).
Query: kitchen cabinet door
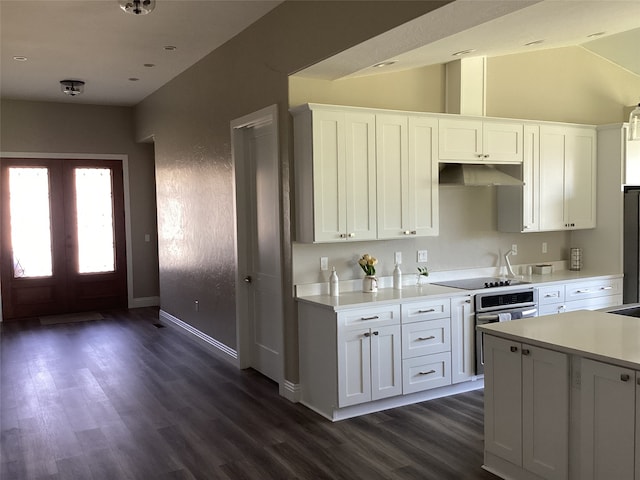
point(567, 177)
point(480, 141)
point(462, 339)
point(527, 408)
point(545, 413)
point(407, 176)
point(503, 399)
point(386, 362)
point(335, 175)
point(608, 405)
point(354, 366)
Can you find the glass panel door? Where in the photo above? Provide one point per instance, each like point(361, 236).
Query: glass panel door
point(94, 210)
point(30, 222)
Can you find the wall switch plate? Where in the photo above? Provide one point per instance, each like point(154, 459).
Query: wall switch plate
point(398, 257)
point(422, 255)
point(514, 249)
point(147, 237)
point(324, 263)
point(544, 247)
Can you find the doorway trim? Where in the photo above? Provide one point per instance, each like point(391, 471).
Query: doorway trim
point(127, 201)
point(264, 116)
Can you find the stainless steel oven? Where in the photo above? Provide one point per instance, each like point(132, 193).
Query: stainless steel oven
point(502, 307)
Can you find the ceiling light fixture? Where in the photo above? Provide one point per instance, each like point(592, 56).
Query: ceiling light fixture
point(72, 87)
point(20, 58)
point(137, 7)
point(170, 48)
point(384, 64)
point(463, 52)
point(634, 124)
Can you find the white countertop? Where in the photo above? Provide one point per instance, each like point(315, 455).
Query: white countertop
point(601, 336)
point(382, 296)
point(349, 299)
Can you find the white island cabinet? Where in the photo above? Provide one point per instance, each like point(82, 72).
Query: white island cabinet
point(581, 390)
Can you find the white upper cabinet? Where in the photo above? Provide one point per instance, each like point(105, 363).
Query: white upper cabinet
point(480, 141)
point(407, 176)
point(335, 175)
point(567, 177)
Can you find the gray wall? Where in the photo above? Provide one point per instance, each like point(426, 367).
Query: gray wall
point(189, 119)
point(43, 127)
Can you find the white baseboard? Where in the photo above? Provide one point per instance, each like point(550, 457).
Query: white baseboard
point(216, 347)
point(291, 391)
point(140, 302)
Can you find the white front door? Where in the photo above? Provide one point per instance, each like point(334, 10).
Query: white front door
point(260, 312)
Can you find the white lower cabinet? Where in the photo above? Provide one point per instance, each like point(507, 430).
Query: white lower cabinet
point(426, 345)
point(526, 410)
point(609, 422)
point(463, 339)
point(369, 355)
point(579, 295)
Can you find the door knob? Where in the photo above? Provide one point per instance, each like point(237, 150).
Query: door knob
point(247, 279)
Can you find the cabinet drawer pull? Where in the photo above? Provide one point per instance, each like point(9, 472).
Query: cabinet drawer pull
point(514, 349)
point(430, 337)
point(551, 295)
point(606, 288)
point(526, 351)
point(624, 377)
point(427, 372)
point(586, 290)
point(375, 317)
point(427, 311)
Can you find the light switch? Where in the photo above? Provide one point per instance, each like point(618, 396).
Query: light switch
point(422, 255)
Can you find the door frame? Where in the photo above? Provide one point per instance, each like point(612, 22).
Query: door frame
point(127, 200)
point(243, 322)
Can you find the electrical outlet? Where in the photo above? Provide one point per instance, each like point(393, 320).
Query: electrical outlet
point(324, 263)
point(422, 256)
point(544, 247)
point(398, 257)
point(514, 249)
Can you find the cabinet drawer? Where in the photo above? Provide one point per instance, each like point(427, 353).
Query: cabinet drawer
point(550, 294)
point(602, 288)
point(426, 310)
point(425, 338)
point(370, 317)
point(428, 371)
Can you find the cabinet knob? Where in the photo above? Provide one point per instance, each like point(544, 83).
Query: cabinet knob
point(526, 351)
point(624, 377)
point(343, 235)
point(486, 155)
point(367, 334)
point(479, 155)
point(406, 232)
point(351, 235)
point(514, 349)
point(376, 333)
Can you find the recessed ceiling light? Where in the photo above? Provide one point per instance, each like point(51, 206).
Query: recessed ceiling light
point(463, 52)
point(170, 48)
point(535, 42)
point(597, 34)
point(384, 64)
point(149, 65)
point(20, 58)
point(133, 79)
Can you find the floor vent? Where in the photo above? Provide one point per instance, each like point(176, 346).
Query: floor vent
point(158, 325)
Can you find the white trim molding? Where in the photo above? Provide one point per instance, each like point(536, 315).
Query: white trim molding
point(218, 348)
point(291, 391)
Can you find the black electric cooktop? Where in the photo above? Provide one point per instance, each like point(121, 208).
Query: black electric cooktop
point(481, 282)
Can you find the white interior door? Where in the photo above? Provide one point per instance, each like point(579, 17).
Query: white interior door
point(260, 312)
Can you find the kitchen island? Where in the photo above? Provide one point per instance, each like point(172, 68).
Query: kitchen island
point(562, 397)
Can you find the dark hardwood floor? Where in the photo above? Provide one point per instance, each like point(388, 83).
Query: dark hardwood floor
point(120, 398)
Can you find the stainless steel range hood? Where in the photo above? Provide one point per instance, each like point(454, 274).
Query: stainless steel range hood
point(475, 175)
